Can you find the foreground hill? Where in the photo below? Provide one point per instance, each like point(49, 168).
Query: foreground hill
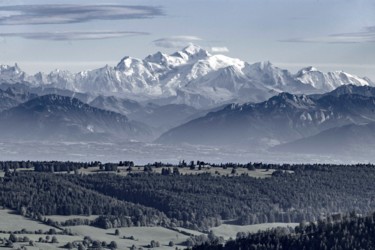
point(58, 117)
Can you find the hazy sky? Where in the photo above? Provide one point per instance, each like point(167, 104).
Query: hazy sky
point(76, 35)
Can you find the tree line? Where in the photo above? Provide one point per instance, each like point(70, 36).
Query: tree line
point(350, 232)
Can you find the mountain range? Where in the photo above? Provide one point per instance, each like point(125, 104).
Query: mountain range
point(281, 119)
point(191, 97)
point(191, 76)
point(57, 117)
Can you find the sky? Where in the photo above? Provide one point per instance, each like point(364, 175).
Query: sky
point(42, 35)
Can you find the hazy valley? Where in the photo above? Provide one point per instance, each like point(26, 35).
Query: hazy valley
point(192, 99)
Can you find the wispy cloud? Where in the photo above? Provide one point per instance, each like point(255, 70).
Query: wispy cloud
point(367, 35)
point(176, 41)
point(219, 49)
point(67, 13)
point(63, 36)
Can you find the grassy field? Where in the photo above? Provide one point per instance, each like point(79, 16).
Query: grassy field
point(9, 221)
point(142, 236)
point(227, 231)
point(62, 240)
point(257, 173)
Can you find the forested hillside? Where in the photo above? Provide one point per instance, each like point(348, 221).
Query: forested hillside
point(202, 201)
point(293, 193)
point(39, 194)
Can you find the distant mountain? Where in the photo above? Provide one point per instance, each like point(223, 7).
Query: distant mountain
point(282, 118)
point(13, 74)
point(353, 89)
point(191, 76)
point(329, 81)
point(353, 139)
point(116, 104)
point(25, 88)
point(12, 97)
point(54, 117)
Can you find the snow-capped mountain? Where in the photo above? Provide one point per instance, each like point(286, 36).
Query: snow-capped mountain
point(329, 81)
point(282, 118)
point(190, 76)
point(12, 74)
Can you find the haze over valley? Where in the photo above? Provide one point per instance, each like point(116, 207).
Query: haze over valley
point(192, 99)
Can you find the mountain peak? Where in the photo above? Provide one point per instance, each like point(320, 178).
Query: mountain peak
point(195, 51)
point(309, 69)
point(7, 68)
point(264, 66)
point(158, 57)
point(126, 62)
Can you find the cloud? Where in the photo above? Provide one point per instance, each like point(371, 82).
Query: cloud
point(69, 13)
point(175, 41)
point(64, 36)
point(365, 36)
point(219, 49)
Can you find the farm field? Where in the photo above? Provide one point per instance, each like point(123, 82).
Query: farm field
point(142, 236)
point(62, 240)
point(9, 221)
point(257, 173)
point(230, 231)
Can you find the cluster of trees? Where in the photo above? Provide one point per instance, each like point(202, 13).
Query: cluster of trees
point(46, 166)
point(209, 239)
point(61, 166)
point(8, 165)
point(169, 171)
point(126, 164)
point(51, 231)
point(9, 243)
point(88, 243)
point(352, 232)
point(109, 167)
